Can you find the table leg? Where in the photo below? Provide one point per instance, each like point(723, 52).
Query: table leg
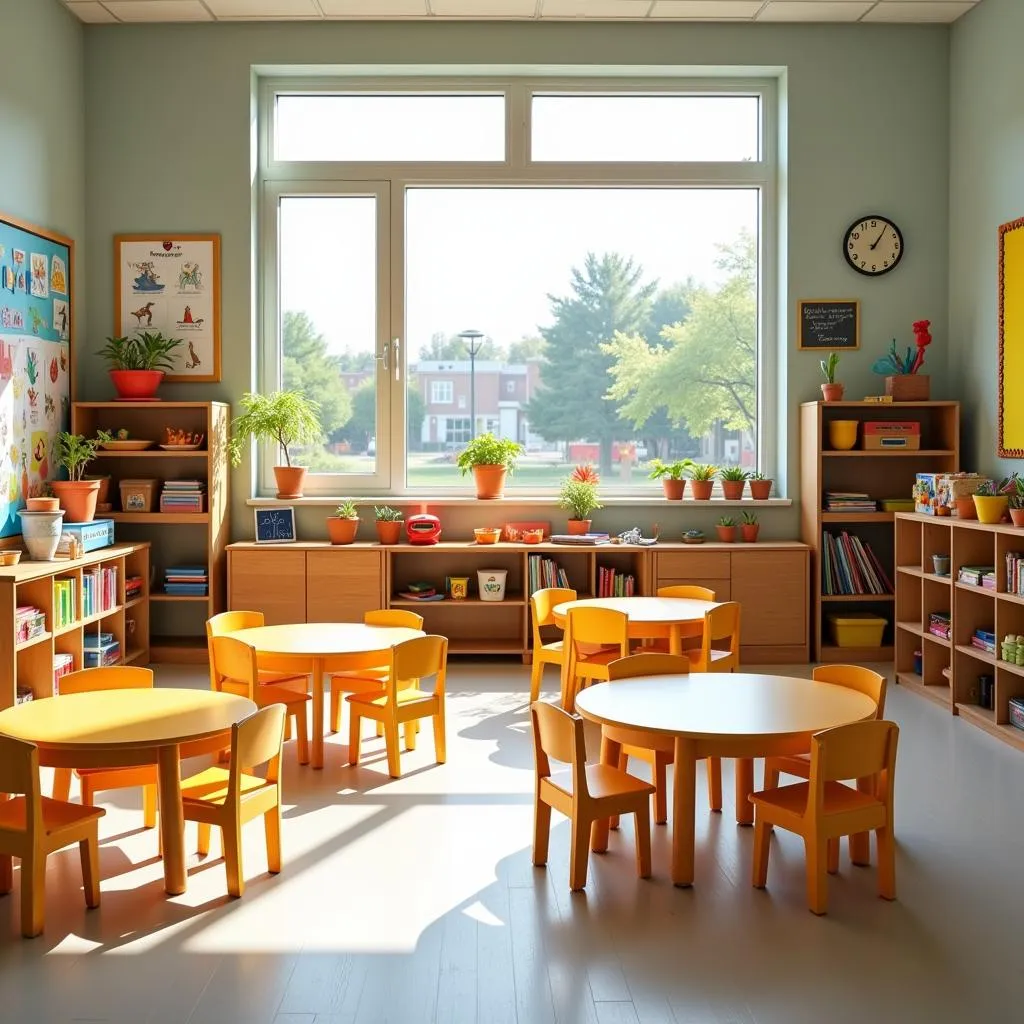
point(675, 639)
point(317, 752)
point(744, 787)
point(172, 819)
point(684, 800)
point(599, 830)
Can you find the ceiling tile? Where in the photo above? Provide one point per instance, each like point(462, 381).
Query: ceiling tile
point(715, 10)
point(918, 10)
point(483, 8)
point(91, 12)
point(374, 8)
point(633, 9)
point(815, 10)
point(158, 10)
point(264, 8)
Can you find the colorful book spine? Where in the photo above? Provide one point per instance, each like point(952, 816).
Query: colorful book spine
point(849, 566)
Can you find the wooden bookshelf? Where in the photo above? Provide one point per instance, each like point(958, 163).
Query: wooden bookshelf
point(888, 473)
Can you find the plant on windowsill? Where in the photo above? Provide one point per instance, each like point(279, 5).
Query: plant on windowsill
point(344, 524)
point(702, 479)
point(286, 418)
point(77, 496)
point(671, 476)
point(578, 496)
point(733, 480)
point(760, 487)
point(1015, 495)
point(490, 458)
point(830, 390)
point(138, 363)
point(726, 527)
point(750, 527)
point(389, 523)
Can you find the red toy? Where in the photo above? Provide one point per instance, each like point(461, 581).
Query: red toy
point(923, 338)
point(423, 529)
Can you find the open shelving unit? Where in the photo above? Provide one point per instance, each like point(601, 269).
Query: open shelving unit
point(887, 473)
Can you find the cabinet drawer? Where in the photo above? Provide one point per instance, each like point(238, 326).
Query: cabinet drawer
point(771, 587)
point(722, 588)
point(272, 582)
point(689, 566)
point(342, 585)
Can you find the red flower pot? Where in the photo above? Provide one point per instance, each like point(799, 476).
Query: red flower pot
point(290, 480)
point(77, 498)
point(342, 531)
point(137, 385)
point(732, 490)
point(760, 490)
point(579, 526)
point(726, 533)
point(750, 531)
point(1017, 515)
point(673, 488)
point(389, 532)
point(701, 489)
point(490, 481)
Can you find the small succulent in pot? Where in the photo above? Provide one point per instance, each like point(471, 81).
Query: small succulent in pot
point(702, 478)
point(671, 476)
point(750, 526)
point(693, 537)
point(726, 527)
point(344, 524)
point(734, 479)
point(389, 522)
point(760, 486)
point(830, 390)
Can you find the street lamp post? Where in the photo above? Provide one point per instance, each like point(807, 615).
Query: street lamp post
point(473, 340)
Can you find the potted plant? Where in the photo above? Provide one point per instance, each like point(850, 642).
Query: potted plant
point(750, 527)
point(830, 390)
point(733, 479)
point(578, 496)
point(693, 537)
point(1016, 501)
point(285, 417)
point(42, 502)
point(990, 502)
point(389, 524)
point(344, 524)
point(77, 496)
point(671, 476)
point(490, 458)
point(702, 479)
point(760, 487)
point(138, 363)
point(726, 527)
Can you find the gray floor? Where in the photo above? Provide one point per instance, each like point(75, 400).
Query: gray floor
point(415, 901)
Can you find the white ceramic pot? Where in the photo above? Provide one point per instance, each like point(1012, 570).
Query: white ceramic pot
point(491, 583)
point(41, 533)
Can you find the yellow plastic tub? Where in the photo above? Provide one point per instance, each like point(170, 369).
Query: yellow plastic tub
point(857, 629)
point(842, 434)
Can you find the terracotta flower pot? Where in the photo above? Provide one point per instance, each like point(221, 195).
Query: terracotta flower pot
point(750, 531)
point(137, 385)
point(579, 525)
point(965, 507)
point(732, 490)
point(490, 481)
point(41, 504)
point(1017, 515)
point(290, 481)
point(342, 531)
point(77, 498)
point(726, 533)
point(104, 492)
point(701, 489)
point(760, 490)
point(390, 532)
point(673, 488)
point(832, 392)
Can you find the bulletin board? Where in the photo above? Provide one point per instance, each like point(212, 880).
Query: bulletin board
point(36, 330)
point(1011, 340)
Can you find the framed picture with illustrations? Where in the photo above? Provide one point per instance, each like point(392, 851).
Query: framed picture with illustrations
point(275, 525)
point(171, 284)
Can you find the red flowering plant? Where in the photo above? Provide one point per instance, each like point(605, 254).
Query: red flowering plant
point(578, 494)
point(585, 474)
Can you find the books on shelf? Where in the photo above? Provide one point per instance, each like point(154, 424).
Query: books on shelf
point(543, 573)
point(29, 622)
point(853, 502)
point(1015, 573)
point(939, 625)
point(421, 595)
point(186, 581)
point(132, 587)
point(63, 664)
point(183, 496)
point(612, 583)
point(581, 539)
point(984, 640)
point(65, 602)
point(978, 576)
point(99, 649)
point(99, 590)
point(849, 566)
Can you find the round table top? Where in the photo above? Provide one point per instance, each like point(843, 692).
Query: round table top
point(324, 639)
point(653, 610)
point(124, 718)
point(731, 704)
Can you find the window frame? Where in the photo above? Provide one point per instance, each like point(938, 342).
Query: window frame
point(516, 171)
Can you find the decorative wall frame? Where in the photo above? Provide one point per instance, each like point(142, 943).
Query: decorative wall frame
point(1011, 340)
point(275, 525)
point(171, 284)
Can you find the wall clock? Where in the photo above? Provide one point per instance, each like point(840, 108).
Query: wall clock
point(873, 245)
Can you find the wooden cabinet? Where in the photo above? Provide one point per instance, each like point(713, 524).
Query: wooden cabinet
point(771, 587)
point(272, 581)
point(342, 585)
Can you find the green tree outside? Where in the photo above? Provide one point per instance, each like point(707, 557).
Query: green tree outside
point(308, 367)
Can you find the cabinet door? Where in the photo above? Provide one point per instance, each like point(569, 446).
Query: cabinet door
point(771, 587)
point(690, 566)
point(342, 585)
point(272, 582)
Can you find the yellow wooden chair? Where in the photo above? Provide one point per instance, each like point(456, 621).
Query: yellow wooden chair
point(397, 704)
point(372, 680)
point(693, 592)
point(689, 633)
point(541, 604)
point(594, 637)
point(233, 669)
point(98, 780)
point(823, 809)
point(583, 792)
point(230, 622)
point(33, 826)
point(229, 797)
point(719, 649)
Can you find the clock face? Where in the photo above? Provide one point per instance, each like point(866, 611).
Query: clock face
point(873, 245)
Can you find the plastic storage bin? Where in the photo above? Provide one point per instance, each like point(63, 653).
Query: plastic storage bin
point(97, 534)
point(857, 629)
point(491, 583)
point(138, 495)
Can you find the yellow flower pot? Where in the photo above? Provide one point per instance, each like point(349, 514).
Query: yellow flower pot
point(842, 434)
point(991, 507)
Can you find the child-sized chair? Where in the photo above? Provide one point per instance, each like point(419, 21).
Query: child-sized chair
point(719, 649)
point(542, 603)
point(594, 637)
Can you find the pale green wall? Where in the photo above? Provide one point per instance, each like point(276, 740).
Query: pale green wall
point(169, 149)
point(42, 124)
point(986, 190)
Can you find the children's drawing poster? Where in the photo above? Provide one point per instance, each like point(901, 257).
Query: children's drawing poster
point(172, 285)
point(36, 329)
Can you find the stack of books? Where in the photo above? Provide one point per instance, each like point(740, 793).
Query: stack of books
point(849, 566)
point(63, 664)
point(65, 602)
point(421, 592)
point(1015, 573)
point(984, 640)
point(544, 573)
point(132, 587)
point(100, 649)
point(183, 496)
point(978, 576)
point(186, 581)
point(29, 622)
point(24, 694)
point(939, 625)
point(99, 590)
point(611, 583)
point(849, 501)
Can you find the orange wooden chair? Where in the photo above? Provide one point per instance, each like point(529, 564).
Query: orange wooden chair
point(98, 780)
point(594, 637)
point(583, 792)
point(719, 649)
point(694, 593)
point(402, 701)
point(541, 604)
point(690, 633)
point(372, 680)
point(233, 669)
point(229, 797)
point(33, 826)
point(823, 809)
point(229, 622)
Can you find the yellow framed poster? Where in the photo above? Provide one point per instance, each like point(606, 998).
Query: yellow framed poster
point(1011, 340)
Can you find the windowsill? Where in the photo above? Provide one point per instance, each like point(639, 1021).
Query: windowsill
point(617, 500)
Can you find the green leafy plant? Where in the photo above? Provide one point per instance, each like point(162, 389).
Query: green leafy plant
point(733, 473)
point(701, 471)
point(671, 470)
point(750, 519)
point(285, 417)
point(488, 450)
point(387, 514)
point(986, 490)
point(694, 534)
point(727, 521)
point(757, 476)
point(74, 451)
point(1015, 489)
point(347, 510)
point(579, 498)
point(828, 367)
point(149, 350)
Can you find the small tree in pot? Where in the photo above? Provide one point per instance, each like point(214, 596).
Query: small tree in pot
point(490, 458)
point(138, 363)
point(578, 495)
point(344, 524)
point(671, 476)
point(77, 496)
point(389, 524)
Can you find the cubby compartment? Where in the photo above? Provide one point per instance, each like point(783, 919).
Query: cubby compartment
point(466, 560)
point(477, 627)
point(908, 535)
point(936, 544)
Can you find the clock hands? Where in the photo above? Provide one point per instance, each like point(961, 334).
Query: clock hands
point(880, 237)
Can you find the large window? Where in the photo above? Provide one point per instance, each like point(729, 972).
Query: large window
point(578, 268)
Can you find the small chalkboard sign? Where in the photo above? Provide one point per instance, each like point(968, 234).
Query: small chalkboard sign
point(275, 525)
point(829, 323)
